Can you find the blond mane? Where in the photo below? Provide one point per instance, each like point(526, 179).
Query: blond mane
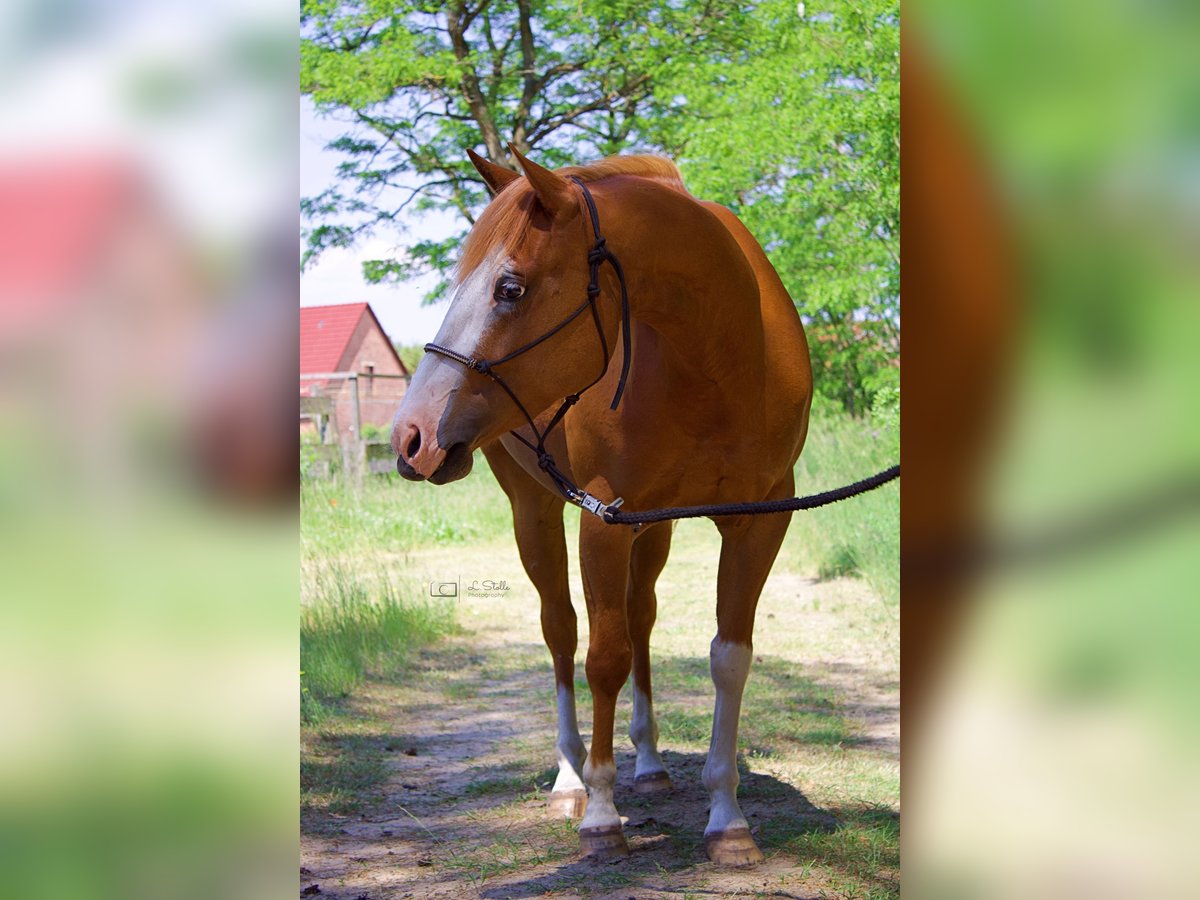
point(507, 218)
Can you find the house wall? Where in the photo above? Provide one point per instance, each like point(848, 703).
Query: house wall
point(378, 398)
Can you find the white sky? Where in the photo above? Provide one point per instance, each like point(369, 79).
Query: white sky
point(337, 276)
point(64, 88)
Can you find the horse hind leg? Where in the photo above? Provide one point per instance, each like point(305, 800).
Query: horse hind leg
point(748, 550)
point(648, 557)
point(541, 541)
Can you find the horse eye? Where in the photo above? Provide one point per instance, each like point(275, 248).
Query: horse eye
point(508, 290)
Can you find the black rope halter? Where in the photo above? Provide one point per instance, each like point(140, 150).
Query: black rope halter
point(597, 256)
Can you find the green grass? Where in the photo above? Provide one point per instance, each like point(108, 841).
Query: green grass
point(860, 857)
point(783, 707)
point(860, 536)
point(361, 621)
point(353, 625)
point(510, 850)
point(389, 515)
point(521, 783)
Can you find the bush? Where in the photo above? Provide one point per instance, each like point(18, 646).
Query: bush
point(839, 562)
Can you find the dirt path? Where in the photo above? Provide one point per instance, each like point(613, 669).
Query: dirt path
point(463, 749)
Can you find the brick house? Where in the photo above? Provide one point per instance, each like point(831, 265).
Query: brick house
point(348, 338)
point(102, 313)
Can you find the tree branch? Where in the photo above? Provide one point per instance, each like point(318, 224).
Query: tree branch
point(529, 80)
point(547, 125)
point(470, 80)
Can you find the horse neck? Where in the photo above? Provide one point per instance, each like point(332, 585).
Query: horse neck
point(687, 277)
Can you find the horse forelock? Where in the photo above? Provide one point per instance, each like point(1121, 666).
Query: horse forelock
point(503, 224)
point(508, 217)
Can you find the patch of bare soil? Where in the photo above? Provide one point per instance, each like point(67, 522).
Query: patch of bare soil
point(468, 748)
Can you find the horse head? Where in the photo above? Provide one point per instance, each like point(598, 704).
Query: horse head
point(515, 327)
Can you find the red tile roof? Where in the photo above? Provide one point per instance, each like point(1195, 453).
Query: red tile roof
point(324, 333)
point(58, 215)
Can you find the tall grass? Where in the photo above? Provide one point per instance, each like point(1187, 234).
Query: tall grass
point(354, 625)
point(860, 536)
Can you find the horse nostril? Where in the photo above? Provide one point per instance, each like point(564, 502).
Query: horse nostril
point(414, 446)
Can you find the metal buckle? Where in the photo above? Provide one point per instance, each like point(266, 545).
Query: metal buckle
point(596, 506)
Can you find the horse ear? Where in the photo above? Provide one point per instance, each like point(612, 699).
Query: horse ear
point(553, 191)
point(496, 177)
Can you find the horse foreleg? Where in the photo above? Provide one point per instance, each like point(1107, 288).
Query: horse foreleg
point(541, 541)
point(649, 555)
point(604, 554)
point(568, 797)
point(748, 549)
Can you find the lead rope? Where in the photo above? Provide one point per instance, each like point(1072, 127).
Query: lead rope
point(610, 512)
point(812, 501)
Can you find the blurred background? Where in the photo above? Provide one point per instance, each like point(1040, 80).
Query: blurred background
point(148, 284)
point(1051, 499)
point(1051, 547)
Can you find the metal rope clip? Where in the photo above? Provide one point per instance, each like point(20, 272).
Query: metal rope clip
point(596, 506)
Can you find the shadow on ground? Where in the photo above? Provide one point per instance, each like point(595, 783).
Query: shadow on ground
point(665, 834)
point(445, 778)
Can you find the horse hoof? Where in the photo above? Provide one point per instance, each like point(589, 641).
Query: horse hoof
point(652, 783)
point(568, 804)
point(604, 842)
point(732, 847)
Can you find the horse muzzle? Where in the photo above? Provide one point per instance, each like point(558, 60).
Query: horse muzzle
point(456, 464)
point(436, 427)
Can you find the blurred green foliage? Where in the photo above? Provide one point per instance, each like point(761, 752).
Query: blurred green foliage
point(1064, 748)
point(788, 116)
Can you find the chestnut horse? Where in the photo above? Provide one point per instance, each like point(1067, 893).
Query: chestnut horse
point(715, 411)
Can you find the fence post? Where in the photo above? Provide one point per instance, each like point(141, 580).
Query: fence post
point(355, 411)
point(355, 462)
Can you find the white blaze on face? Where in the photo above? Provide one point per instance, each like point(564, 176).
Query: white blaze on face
point(437, 378)
point(463, 331)
point(465, 325)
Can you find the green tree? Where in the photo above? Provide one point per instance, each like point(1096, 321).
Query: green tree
point(791, 120)
point(418, 82)
point(802, 139)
